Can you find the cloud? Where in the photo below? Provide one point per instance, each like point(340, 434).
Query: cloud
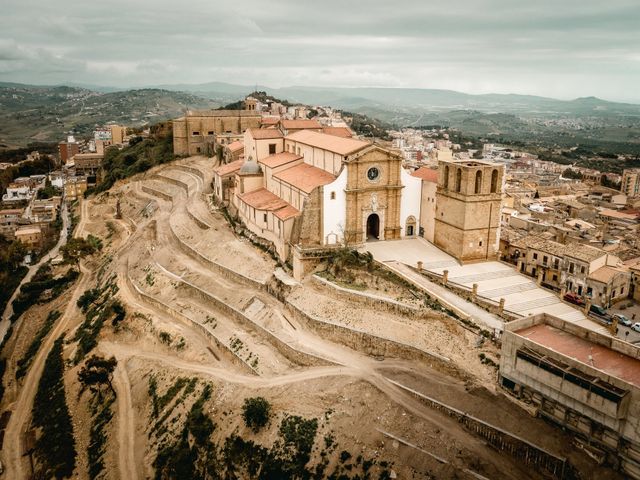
point(568, 48)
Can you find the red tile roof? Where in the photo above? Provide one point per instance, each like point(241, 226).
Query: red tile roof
point(263, 199)
point(305, 177)
point(300, 124)
point(339, 145)
point(279, 159)
point(428, 174)
point(269, 120)
point(265, 133)
point(338, 131)
point(235, 146)
point(229, 168)
point(287, 212)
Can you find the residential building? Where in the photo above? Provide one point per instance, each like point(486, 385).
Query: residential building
point(630, 184)
point(74, 188)
point(67, 149)
point(232, 151)
point(31, 237)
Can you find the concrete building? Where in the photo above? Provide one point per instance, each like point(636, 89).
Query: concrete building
point(67, 149)
point(195, 133)
point(10, 220)
point(87, 165)
point(584, 381)
point(468, 202)
point(630, 184)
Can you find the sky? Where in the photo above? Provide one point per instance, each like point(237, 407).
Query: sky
point(558, 48)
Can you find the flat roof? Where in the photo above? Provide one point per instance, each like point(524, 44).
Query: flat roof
point(596, 356)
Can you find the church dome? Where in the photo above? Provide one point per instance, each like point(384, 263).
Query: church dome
point(250, 167)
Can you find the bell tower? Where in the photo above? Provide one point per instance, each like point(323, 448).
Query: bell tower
point(468, 203)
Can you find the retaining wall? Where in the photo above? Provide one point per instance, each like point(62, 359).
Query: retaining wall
point(376, 301)
point(521, 449)
point(221, 269)
point(173, 181)
point(157, 193)
point(296, 356)
point(370, 344)
point(173, 313)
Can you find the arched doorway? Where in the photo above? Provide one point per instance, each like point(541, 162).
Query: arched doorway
point(373, 227)
point(410, 226)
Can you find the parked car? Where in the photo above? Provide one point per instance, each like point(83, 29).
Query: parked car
point(573, 298)
point(622, 319)
point(600, 313)
point(636, 326)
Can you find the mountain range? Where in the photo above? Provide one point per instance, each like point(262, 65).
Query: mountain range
point(29, 113)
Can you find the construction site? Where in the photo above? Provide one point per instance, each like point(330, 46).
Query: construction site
point(376, 379)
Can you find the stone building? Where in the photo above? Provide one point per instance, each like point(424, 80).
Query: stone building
point(195, 133)
point(468, 202)
point(312, 191)
point(30, 236)
point(586, 382)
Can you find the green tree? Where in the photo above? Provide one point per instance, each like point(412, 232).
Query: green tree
point(97, 372)
point(75, 249)
point(256, 412)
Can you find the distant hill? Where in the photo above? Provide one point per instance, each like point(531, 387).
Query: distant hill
point(31, 113)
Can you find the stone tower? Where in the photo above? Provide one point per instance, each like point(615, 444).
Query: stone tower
point(468, 203)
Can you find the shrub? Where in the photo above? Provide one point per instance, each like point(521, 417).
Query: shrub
point(256, 412)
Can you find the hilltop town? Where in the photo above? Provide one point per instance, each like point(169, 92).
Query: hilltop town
point(279, 290)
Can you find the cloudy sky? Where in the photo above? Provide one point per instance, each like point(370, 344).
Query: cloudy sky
point(559, 48)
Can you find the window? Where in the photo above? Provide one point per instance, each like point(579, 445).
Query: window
point(272, 148)
point(621, 290)
point(210, 132)
point(555, 278)
point(458, 179)
point(571, 266)
point(333, 195)
point(480, 243)
point(556, 263)
point(298, 150)
point(535, 256)
point(446, 177)
point(582, 270)
point(544, 259)
point(494, 181)
point(195, 133)
point(478, 181)
point(264, 217)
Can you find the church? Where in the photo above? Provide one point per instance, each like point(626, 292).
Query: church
point(307, 192)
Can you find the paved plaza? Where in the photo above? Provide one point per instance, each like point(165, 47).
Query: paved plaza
point(495, 280)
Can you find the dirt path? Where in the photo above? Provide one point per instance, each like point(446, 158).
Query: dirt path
point(126, 424)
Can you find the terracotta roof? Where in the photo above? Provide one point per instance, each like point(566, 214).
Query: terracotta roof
point(235, 146)
point(428, 174)
point(269, 120)
point(229, 168)
point(265, 133)
point(299, 124)
point(305, 177)
point(339, 145)
point(605, 274)
point(338, 131)
point(584, 252)
point(263, 199)
point(287, 212)
point(605, 212)
point(541, 244)
point(278, 159)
